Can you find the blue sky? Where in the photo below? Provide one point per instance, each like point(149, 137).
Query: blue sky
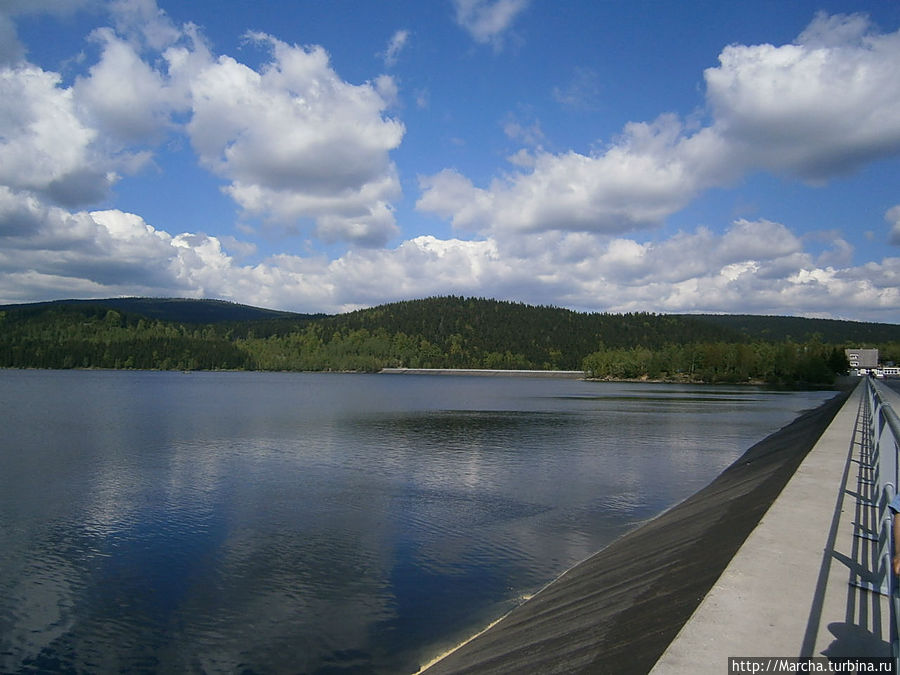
point(324, 156)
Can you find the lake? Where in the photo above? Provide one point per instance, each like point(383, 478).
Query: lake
point(323, 523)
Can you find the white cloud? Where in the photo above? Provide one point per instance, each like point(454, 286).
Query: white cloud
point(144, 23)
point(839, 254)
point(395, 46)
point(757, 266)
point(652, 171)
point(695, 255)
point(819, 108)
point(108, 251)
point(419, 267)
point(452, 195)
point(297, 142)
point(300, 146)
point(751, 240)
point(487, 20)
point(46, 147)
point(123, 95)
point(68, 144)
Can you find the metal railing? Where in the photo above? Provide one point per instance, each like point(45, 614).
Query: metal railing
point(881, 439)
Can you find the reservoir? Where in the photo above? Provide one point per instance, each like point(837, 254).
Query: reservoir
point(324, 523)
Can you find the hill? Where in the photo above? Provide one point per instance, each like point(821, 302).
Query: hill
point(443, 332)
point(182, 310)
point(778, 328)
point(482, 330)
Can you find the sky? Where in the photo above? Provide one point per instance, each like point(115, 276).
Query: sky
point(328, 155)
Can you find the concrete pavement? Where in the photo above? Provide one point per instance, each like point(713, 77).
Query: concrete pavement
point(791, 589)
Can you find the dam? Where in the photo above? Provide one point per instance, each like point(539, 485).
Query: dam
point(786, 554)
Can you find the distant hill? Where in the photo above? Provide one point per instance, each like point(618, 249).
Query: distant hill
point(469, 329)
point(439, 332)
point(780, 328)
point(180, 310)
point(496, 322)
point(519, 325)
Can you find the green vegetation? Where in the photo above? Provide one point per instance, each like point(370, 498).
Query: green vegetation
point(446, 332)
point(782, 363)
point(88, 336)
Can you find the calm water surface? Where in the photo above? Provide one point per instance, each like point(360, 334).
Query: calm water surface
point(314, 523)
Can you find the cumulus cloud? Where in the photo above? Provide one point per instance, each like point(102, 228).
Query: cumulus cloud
point(487, 20)
point(110, 250)
point(123, 95)
point(686, 256)
point(46, 147)
point(753, 266)
point(143, 23)
point(298, 145)
point(652, 171)
point(68, 144)
point(669, 276)
point(819, 108)
point(296, 141)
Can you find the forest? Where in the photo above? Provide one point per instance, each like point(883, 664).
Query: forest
point(441, 332)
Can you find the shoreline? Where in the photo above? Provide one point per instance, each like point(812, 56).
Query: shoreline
point(472, 372)
point(582, 375)
point(618, 610)
point(485, 372)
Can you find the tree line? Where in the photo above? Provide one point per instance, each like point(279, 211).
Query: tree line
point(781, 363)
point(446, 332)
point(96, 337)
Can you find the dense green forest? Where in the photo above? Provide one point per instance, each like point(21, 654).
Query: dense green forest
point(445, 332)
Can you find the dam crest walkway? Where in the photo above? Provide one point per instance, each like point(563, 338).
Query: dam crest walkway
point(807, 581)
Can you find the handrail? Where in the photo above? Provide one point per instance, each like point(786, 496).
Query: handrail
point(883, 427)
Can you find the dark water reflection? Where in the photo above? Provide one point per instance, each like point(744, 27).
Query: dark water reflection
point(276, 523)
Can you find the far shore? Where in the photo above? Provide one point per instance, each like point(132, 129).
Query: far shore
point(840, 383)
point(570, 374)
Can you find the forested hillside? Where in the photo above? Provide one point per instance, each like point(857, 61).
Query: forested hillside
point(91, 336)
point(445, 332)
point(496, 334)
point(779, 328)
point(181, 310)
